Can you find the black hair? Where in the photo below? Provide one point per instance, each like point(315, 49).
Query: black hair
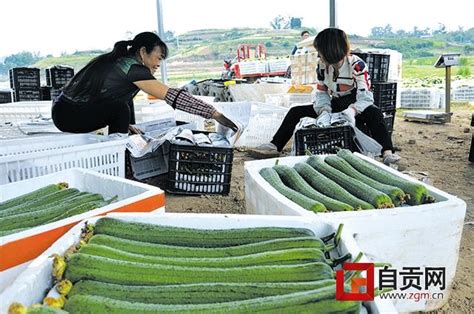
point(304, 32)
point(89, 80)
point(332, 45)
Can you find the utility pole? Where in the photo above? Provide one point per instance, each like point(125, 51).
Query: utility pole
point(161, 33)
point(332, 13)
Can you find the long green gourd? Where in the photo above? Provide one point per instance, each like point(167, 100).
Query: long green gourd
point(153, 249)
point(41, 203)
point(417, 192)
point(32, 195)
point(271, 176)
point(193, 237)
point(396, 194)
point(320, 300)
point(328, 187)
point(355, 187)
point(199, 293)
point(280, 257)
point(293, 180)
point(83, 266)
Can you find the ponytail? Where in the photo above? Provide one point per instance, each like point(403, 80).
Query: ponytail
point(120, 50)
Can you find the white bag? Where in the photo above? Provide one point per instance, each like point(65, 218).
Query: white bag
point(366, 145)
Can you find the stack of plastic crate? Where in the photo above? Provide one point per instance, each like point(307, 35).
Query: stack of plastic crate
point(6, 96)
point(385, 91)
point(56, 77)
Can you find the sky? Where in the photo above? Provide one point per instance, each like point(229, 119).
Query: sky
point(62, 26)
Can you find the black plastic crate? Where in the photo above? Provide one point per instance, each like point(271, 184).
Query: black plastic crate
point(58, 76)
point(25, 83)
point(378, 65)
point(24, 78)
point(5, 97)
point(323, 140)
point(385, 95)
point(197, 170)
point(45, 93)
point(389, 120)
point(27, 95)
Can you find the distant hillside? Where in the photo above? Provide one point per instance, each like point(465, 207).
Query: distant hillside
point(199, 54)
point(207, 44)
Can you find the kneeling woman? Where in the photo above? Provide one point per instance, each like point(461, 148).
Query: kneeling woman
point(343, 86)
point(99, 95)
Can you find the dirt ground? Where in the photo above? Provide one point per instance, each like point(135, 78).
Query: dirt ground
point(439, 150)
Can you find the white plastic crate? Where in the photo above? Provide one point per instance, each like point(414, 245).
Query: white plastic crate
point(26, 158)
point(279, 65)
point(19, 249)
point(24, 110)
point(463, 93)
point(261, 120)
point(252, 67)
point(425, 235)
point(36, 280)
point(264, 122)
point(428, 98)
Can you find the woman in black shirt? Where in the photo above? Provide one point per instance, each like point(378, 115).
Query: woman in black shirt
point(101, 94)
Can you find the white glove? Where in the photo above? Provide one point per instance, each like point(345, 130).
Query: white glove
point(324, 119)
point(349, 115)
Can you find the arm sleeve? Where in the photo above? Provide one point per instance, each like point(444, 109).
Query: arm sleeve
point(364, 97)
point(322, 99)
point(182, 100)
point(139, 72)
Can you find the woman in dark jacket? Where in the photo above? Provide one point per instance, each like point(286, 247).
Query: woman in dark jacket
point(101, 94)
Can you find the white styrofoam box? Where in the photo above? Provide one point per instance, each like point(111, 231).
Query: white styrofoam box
point(150, 111)
point(282, 99)
point(429, 98)
point(24, 110)
point(18, 249)
point(300, 98)
point(36, 279)
point(288, 99)
point(279, 65)
point(26, 158)
point(303, 68)
point(426, 235)
point(252, 67)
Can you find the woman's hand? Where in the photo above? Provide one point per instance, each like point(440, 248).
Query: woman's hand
point(134, 130)
point(219, 117)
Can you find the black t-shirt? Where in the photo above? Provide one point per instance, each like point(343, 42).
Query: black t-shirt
point(118, 84)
